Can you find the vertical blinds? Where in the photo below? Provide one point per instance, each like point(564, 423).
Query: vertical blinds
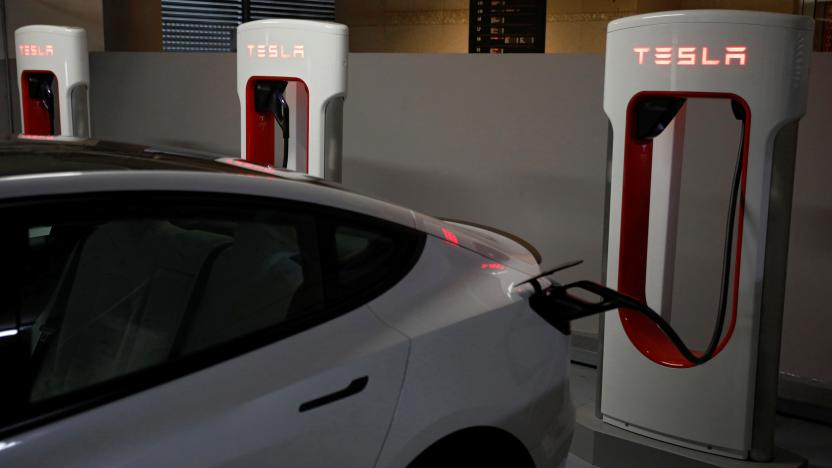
point(303, 9)
point(200, 25)
point(210, 25)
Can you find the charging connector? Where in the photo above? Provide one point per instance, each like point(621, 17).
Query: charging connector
point(269, 96)
point(40, 88)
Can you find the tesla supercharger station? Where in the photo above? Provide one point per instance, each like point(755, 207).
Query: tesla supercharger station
point(292, 81)
point(54, 76)
point(758, 64)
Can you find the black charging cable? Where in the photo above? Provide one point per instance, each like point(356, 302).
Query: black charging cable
point(269, 96)
point(727, 250)
point(282, 116)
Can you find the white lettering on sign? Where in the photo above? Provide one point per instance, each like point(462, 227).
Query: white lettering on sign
point(690, 55)
point(36, 50)
point(275, 51)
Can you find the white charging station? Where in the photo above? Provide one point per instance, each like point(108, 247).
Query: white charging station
point(758, 63)
point(291, 82)
point(54, 76)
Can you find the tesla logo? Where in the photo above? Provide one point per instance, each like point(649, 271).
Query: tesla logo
point(36, 50)
point(275, 51)
point(690, 55)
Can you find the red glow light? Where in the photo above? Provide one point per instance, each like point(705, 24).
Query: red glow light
point(275, 51)
point(493, 266)
point(664, 55)
point(450, 236)
point(250, 166)
point(691, 55)
point(687, 56)
point(36, 137)
point(706, 60)
point(736, 53)
point(641, 51)
point(36, 50)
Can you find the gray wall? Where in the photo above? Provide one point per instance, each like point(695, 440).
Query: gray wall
point(187, 100)
point(496, 140)
point(807, 347)
point(87, 14)
point(517, 142)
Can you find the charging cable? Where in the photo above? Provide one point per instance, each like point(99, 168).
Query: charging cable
point(559, 307)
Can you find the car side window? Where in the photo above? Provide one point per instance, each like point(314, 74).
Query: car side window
point(367, 258)
point(120, 292)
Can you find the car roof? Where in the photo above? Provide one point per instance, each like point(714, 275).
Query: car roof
point(55, 167)
point(37, 168)
point(24, 156)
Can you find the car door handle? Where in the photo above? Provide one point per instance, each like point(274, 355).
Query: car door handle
point(355, 387)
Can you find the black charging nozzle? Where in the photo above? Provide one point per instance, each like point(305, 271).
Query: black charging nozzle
point(40, 89)
point(560, 304)
point(654, 114)
point(269, 96)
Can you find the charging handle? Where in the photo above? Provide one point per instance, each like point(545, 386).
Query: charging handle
point(40, 89)
point(654, 114)
point(269, 96)
point(738, 110)
point(559, 306)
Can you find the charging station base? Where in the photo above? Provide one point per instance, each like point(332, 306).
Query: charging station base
point(606, 446)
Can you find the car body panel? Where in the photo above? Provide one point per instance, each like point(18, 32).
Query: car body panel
point(500, 249)
point(480, 357)
point(245, 411)
point(449, 347)
point(66, 183)
point(493, 246)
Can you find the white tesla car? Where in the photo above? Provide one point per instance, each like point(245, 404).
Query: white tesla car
point(165, 309)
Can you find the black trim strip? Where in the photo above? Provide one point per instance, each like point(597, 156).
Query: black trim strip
point(355, 387)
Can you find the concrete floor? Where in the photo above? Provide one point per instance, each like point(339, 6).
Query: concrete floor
point(811, 440)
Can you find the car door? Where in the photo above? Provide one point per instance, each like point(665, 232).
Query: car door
point(163, 330)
